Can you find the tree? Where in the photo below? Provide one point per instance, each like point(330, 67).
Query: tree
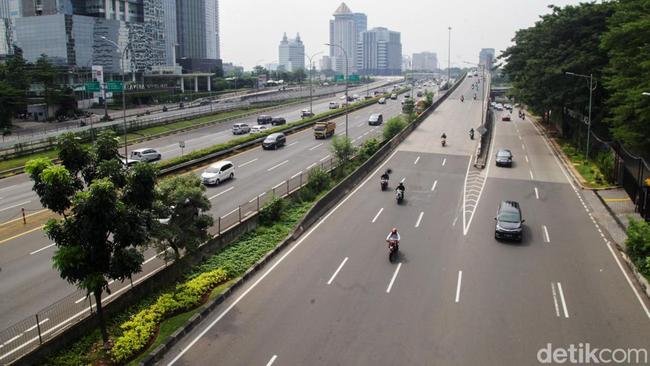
point(393, 126)
point(409, 106)
point(73, 155)
point(626, 44)
point(181, 202)
point(103, 225)
point(11, 100)
point(342, 148)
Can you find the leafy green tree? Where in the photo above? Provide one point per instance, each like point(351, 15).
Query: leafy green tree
point(11, 100)
point(182, 203)
point(73, 155)
point(104, 224)
point(638, 244)
point(342, 148)
point(393, 126)
point(626, 75)
point(409, 107)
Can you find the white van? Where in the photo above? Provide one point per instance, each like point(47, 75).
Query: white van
point(218, 172)
point(240, 128)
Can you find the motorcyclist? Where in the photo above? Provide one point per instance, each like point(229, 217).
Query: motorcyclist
point(385, 176)
point(462, 98)
point(393, 236)
point(443, 136)
point(471, 133)
point(400, 187)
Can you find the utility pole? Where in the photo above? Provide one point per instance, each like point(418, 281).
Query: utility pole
point(347, 76)
point(592, 87)
point(449, 60)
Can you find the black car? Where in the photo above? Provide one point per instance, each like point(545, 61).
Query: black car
point(264, 119)
point(504, 158)
point(509, 224)
point(274, 141)
point(276, 121)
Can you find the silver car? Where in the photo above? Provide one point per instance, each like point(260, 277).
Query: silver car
point(146, 154)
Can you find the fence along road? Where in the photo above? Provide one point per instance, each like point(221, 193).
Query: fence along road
point(303, 152)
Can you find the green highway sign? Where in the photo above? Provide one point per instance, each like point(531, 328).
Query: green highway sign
point(340, 78)
point(92, 86)
point(354, 77)
point(114, 86)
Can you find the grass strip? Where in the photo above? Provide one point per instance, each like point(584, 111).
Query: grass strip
point(588, 169)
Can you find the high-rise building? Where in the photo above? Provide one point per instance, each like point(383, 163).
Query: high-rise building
point(425, 61)
point(291, 54)
point(325, 63)
point(171, 39)
point(486, 57)
point(344, 33)
point(380, 52)
point(197, 32)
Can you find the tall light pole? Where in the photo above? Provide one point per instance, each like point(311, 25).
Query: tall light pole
point(117, 48)
point(592, 87)
point(449, 60)
point(347, 76)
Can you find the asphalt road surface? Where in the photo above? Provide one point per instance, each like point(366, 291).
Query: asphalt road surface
point(455, 296)
point(29, 283)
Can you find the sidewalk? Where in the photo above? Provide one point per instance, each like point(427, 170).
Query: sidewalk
point(611, 207)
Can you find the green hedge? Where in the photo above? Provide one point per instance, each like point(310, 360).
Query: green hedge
point(638, 245)
point(138, 331)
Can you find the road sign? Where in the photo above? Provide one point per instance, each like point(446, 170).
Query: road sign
point(340, 78)
point(181, 144)
point(354, 77)
point(114, 86)
point(92, 86)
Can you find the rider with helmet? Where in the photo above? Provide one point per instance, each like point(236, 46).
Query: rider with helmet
point(394, 237)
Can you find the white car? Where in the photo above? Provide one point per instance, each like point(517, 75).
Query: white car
point(258, 128)
point(240, 128)
point(146, 154)
point(335, 105)
point(218, 172)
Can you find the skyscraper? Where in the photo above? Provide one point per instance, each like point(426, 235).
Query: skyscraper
point(344, 31)
point(171, 39)
point(425, 61)
point(291, 53)
point(486, 57)
point(198, 29)
point(380, 52)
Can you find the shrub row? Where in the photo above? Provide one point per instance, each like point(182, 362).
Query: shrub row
point(139, 330)
point(638, 245)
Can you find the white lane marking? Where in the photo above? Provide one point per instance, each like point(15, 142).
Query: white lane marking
point(546, 237)
point(629, 281)
point(271, 360)
point(392, 280)
point(557, 307)
point(416, 161)
point(277, 166)
point(444, 161)
point(295, 175)
point(460, 280)
point(433, 188)
point(337, 271)
point(34, 326)
point(325, 158)
point(536, 193)
point(526, 156)
point(417, 224)
point(519, 137)
point(220, 193)
point(293, 143)
point(280, 260)
point(248, 162)
point(523, 147)
point(403, 179)
point(531, 174)
point(377, 215)
point(42, 249)
point(316, 147)
point(16, 205)
point(279, 184)
point(311, 166)
point(454, 223)
point(559, 289)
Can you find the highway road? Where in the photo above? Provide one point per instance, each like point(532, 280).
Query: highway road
point(455, 296)
point(16, 193)
point(29, 283)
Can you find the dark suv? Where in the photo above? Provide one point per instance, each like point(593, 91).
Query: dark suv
point(509, 224)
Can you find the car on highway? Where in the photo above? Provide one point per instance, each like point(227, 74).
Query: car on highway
point(306, 113)
point(264, 119)
point(145, 154)
point(503, 158)
point(393, 96)
point(218, 172)
point(240, 128)
point(509, 223)
point(258, 129)
point(505, 117)
point(375, 119)
point(274, 141)
point(334, 105)
point(381, 100)
point(276, 121)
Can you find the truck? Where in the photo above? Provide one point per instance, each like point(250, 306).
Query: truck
point(324, 130)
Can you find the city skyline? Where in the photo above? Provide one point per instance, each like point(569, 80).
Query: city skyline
point(424, 30)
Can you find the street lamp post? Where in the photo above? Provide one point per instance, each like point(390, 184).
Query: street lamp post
point(311, 81)
point(592, 87)
point(347, 76)
point(449, 60)
point(117, 48)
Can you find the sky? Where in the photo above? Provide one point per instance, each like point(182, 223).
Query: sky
point(252, 29)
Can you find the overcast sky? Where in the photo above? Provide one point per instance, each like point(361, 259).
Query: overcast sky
point(252, 29)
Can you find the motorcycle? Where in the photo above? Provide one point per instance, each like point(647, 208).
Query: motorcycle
point(383, 183)
point(393, 247)
point(462, 98)
point(471, 135)
point(443, 141)
point(399, 196)
point(474, 96)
